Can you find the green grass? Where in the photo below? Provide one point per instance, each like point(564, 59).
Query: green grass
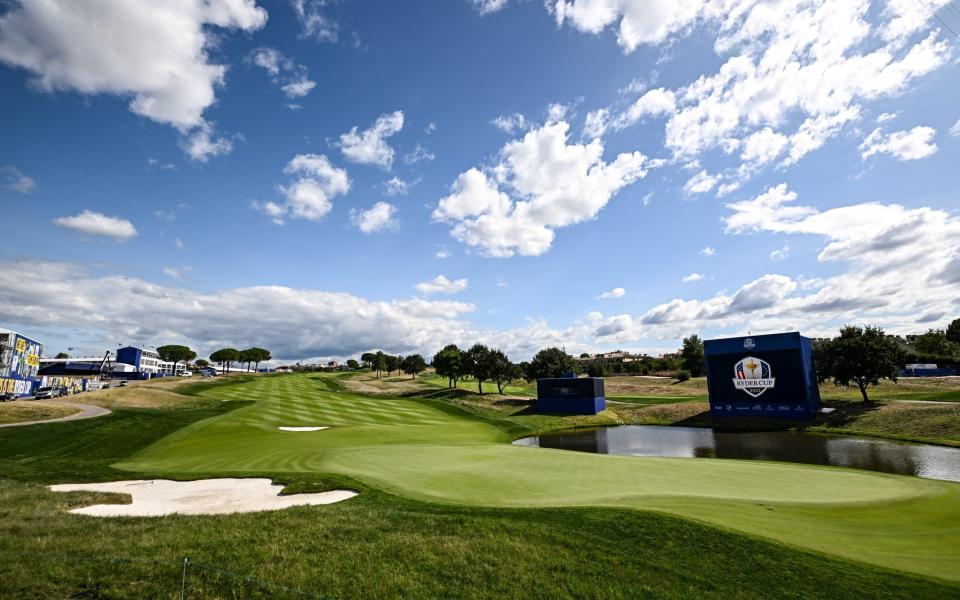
point(426, 451)
point(377, 545)
point(448, 508)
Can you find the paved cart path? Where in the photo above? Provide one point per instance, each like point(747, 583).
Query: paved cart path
point(87, 411)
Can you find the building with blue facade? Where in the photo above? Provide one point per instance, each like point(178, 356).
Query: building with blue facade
point(19, 363)
point(148, 361)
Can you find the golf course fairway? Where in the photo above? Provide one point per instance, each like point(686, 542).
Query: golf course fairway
point(432, 451)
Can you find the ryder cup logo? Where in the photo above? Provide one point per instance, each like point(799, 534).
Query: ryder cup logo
point(753, 376)
point(748, 344)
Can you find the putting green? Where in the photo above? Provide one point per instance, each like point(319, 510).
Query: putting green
point(429, 451)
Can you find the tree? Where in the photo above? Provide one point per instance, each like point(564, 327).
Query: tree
point(860, 355)
point(245, 357)
point(353, 364)
point(449, 363)
point(550, 362)
point(935, 341)
point(413, 364)
point(202, 363)
point(225, 356)
point(502, 371)
point(368, 359)
point(392, 363)
point(598, 370)
point(62, 355)
point(174, 353)
point(379, 362)
point(692, 355)
point(260, 355)
point(953, 331)
point(479, 364)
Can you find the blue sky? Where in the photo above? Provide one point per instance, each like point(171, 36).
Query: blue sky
point(597, 174)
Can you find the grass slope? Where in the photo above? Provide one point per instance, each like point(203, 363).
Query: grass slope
point(431, 452)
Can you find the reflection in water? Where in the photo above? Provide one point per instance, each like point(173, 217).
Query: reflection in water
point(921, 460)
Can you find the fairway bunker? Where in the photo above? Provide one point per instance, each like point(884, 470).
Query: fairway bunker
point(160, 497)
point(302, 428)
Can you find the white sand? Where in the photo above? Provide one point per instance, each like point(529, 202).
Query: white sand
point(301, 428)
point(159, 497)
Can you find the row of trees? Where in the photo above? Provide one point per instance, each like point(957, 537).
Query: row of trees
point(227, 356)
point(485, 364)
point(859, 356)
point(412, 365)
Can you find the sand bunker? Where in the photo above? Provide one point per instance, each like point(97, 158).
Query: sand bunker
point(301, 428)
point(159, 497)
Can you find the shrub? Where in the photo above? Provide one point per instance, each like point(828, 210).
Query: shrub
point(683, 375)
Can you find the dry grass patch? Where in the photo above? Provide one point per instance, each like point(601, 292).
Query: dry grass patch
point(23, 411)
point(367, 383)
point(154, 393)
point(654, 386)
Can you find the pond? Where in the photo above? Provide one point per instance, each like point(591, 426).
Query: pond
point(873, 454)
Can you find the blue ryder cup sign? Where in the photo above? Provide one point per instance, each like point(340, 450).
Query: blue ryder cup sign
point(762, 376)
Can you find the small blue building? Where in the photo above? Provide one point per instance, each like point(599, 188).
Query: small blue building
point(762, 376)
point(571, 395)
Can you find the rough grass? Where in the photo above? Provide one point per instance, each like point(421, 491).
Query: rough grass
point(23, 411)
point(432, 451)
point(376, 545)
point(933, 423)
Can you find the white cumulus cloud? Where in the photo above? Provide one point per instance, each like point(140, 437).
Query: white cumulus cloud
point(617, 292)
point(154, 53)
point(914, 144)
point(440, 284)
point(379, 217)
point(94, 223)
point(293, 79)
point(14, 179)
point(308, 196)
point(370, 147)
point(541, 183)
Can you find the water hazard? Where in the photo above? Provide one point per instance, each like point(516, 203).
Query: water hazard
point(873, 454)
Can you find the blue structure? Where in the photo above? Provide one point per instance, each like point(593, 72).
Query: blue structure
point(19, 363)
point(571, 396)
point(762, 376)
point(130, 356)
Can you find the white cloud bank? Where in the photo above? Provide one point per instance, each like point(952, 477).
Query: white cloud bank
point(293, 323)
point(153, 52)
point(541, 183)
point(93, 223)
